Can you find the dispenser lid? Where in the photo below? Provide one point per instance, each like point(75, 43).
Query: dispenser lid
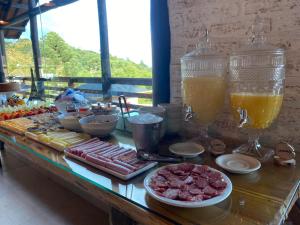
point(205, 48)
point(258, 43)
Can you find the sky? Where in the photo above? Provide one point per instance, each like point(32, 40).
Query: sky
point(128, 27)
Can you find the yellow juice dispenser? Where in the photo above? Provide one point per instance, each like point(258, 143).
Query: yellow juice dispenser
point(203, 74)
point(257, 73)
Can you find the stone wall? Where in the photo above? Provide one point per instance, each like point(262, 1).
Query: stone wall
point(229, 22)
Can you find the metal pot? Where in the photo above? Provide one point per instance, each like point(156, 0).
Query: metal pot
point(146, 132)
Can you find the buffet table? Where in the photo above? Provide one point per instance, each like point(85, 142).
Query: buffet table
point(262, 197)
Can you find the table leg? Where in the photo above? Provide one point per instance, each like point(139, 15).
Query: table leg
point(118, 218)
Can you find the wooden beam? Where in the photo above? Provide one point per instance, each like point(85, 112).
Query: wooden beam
point(36, 49)
point(37, 10)
point(21, 29)
point(104, 45)
point(19, 6)
point(113, 80)
point(132, 81)
point(14, 5)
point(35, 42)
point(2, 74)
point(3, 52)
point(161, 53)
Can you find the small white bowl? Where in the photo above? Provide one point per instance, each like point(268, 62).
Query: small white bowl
point(70, 121)
point(100, 125)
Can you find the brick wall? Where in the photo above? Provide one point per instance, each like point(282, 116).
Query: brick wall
point(229, 22)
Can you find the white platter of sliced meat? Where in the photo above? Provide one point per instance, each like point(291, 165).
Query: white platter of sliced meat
point(113, 159)
point(188, 185)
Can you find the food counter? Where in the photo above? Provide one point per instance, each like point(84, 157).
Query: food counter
point(261, 197)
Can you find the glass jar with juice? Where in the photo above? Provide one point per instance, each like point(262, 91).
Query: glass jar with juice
point(257, 73)
point(203, 83)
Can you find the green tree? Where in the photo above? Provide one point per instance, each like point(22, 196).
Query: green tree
point(62, 59)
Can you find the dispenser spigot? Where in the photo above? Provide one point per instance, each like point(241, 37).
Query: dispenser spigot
point(244, 118)
point(188, 113)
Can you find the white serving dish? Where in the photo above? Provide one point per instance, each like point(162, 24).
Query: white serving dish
point(187, 149)
point(114, 173)
point(70, 121)
point(100, 125)
point(186, 204)
point(238, 163)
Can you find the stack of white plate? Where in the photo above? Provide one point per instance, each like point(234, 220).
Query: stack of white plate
point(173, 117)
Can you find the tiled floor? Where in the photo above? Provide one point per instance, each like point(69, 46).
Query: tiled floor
point(30, 198)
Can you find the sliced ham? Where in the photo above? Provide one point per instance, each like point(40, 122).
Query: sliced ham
point(118, 154)
point(95, 160)
point(118, 168)
point(125, 165)
point(85, 142)
point(115, 152)
point(125, 156)
point(106, 149)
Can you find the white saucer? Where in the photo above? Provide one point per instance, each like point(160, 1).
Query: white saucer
point(187, 149)
point(238, 163)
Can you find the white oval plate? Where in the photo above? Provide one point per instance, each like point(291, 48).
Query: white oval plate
point(187, 149)
point(186, 204)
point(238, 163)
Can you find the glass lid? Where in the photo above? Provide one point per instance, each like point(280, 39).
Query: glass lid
point(258, 41)
point(205, 48)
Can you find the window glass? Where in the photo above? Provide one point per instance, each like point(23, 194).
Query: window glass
point(129, 38)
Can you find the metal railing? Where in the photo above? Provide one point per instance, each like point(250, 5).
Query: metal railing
point(57, 85)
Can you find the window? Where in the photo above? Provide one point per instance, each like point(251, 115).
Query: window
point(70, 50)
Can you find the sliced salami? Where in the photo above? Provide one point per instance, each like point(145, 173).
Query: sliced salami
point(171, 193)
point(185, 196)
point(202, 183)
point(219, 184)
point(208, 190)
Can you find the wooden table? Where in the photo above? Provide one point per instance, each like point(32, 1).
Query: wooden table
point(263, 197)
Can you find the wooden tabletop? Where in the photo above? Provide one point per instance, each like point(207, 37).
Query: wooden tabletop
point(262, 197)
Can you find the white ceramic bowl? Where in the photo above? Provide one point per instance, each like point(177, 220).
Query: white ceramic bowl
point(70, 121)
point(100, 125)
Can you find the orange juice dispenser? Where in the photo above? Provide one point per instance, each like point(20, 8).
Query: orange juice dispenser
point(203, 74)
point(257, 73)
